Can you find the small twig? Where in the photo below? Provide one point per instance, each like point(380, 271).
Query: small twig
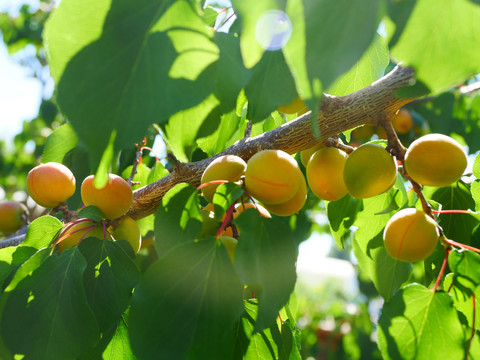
point(138, 157)
point(248, 130)
point(335, 141)
point(15, 239)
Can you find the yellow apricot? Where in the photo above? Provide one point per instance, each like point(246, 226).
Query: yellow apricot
point(230, 244)
point(113, 200)
point(50, 184)
point(364, 132)
point(402, 122)
point(127, 229)
point(12, 216)
point(297, 105)
point(227, 167)
point(272, 176)
point(305, 155)
point(72, 234)
point(293, 205)
point(435, 160)
point(369, 171)
point(325, 173)
point(410, 235)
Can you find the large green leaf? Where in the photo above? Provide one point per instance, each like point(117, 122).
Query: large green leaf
point(420, 324)
point(177, 219)
point(187, 305)
point(109, 279)
point(265, 259)
point(386, 273)
point(439, 40)
point(122, 65)
point(59, 143)
point(46, 304)
point(119, 347)
point(464, 302)
point(341, 216)
point(465, 266)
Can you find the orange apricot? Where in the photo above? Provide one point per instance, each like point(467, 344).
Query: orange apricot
point(435, 160)
point(272, 176)
point(402, 122)
point(127, 229)
point(364, 132)
point(50, 184)
point(306, 155)
point(12, 216)
point(72, 234)
point(325, 173)
point(410, 235)
point(227, 167)
point(369, 171)
point(113, 200)
point(297, 105)
point(291, 206)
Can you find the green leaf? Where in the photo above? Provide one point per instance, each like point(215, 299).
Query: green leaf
point(187, 304)
point(439, 41)
point(145, 61)
point(210, 16)
point(158, 172)
point(109, 279)
point(476, 167)
point(386, 273)
point(420, 324)
point(91, 212)
point(249, 12)
point(265, 259)
point(46, 304)
point(119, 347)
point(271, 85)
point(368, 69)
point(59, 143)
point(465, 266)
point(341, 216)
point(458, 227)
point(225, 195)
point(463, 301)
point(177, 219)
point(142, 173)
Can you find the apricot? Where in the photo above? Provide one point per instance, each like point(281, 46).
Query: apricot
point(71, 235)
point(297, 105)
point(410, 235)
point(402, 122)
point(305, 155)
point(230, 244)
point(369, 171)
point(12, 216)
point(293, 205)
point(127, 229)
point(113, 200)
point(272, 176)
point(364, 132)
point(50, 184)
point(325, 173)
point(227, 167)
point(435, 160)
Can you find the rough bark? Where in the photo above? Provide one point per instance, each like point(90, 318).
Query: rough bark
point(371, 105)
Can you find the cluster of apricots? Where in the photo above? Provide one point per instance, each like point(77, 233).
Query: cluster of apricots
point(51, 184)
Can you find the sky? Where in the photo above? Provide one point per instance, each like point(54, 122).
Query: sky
point(20, 98)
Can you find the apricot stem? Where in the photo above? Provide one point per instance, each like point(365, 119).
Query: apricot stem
point(213, 182)
point(227, 219)
point(442, 270)
point(450, 212)
point(460, 245)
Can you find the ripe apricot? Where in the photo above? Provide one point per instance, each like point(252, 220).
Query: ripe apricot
point(50, 184)
point(305, 155)
point(369, 171)
point(113, 200)
point(435, 160)
point(297, 105)
point(272, 176)
point(402, 122)
point(227, 167)
point(293, 205)
point(364, 132)
point(127, 229)
point(12, 216)
point(325, 173)
point(71, 235)
point(230, 244)
point(410, 235)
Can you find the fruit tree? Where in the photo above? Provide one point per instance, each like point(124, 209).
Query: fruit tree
point(123, 252)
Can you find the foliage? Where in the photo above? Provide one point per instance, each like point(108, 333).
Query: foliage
point(128, 73)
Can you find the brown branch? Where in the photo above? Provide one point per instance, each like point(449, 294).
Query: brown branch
point(337, 114)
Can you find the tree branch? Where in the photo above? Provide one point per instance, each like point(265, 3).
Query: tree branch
point(370, 105)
